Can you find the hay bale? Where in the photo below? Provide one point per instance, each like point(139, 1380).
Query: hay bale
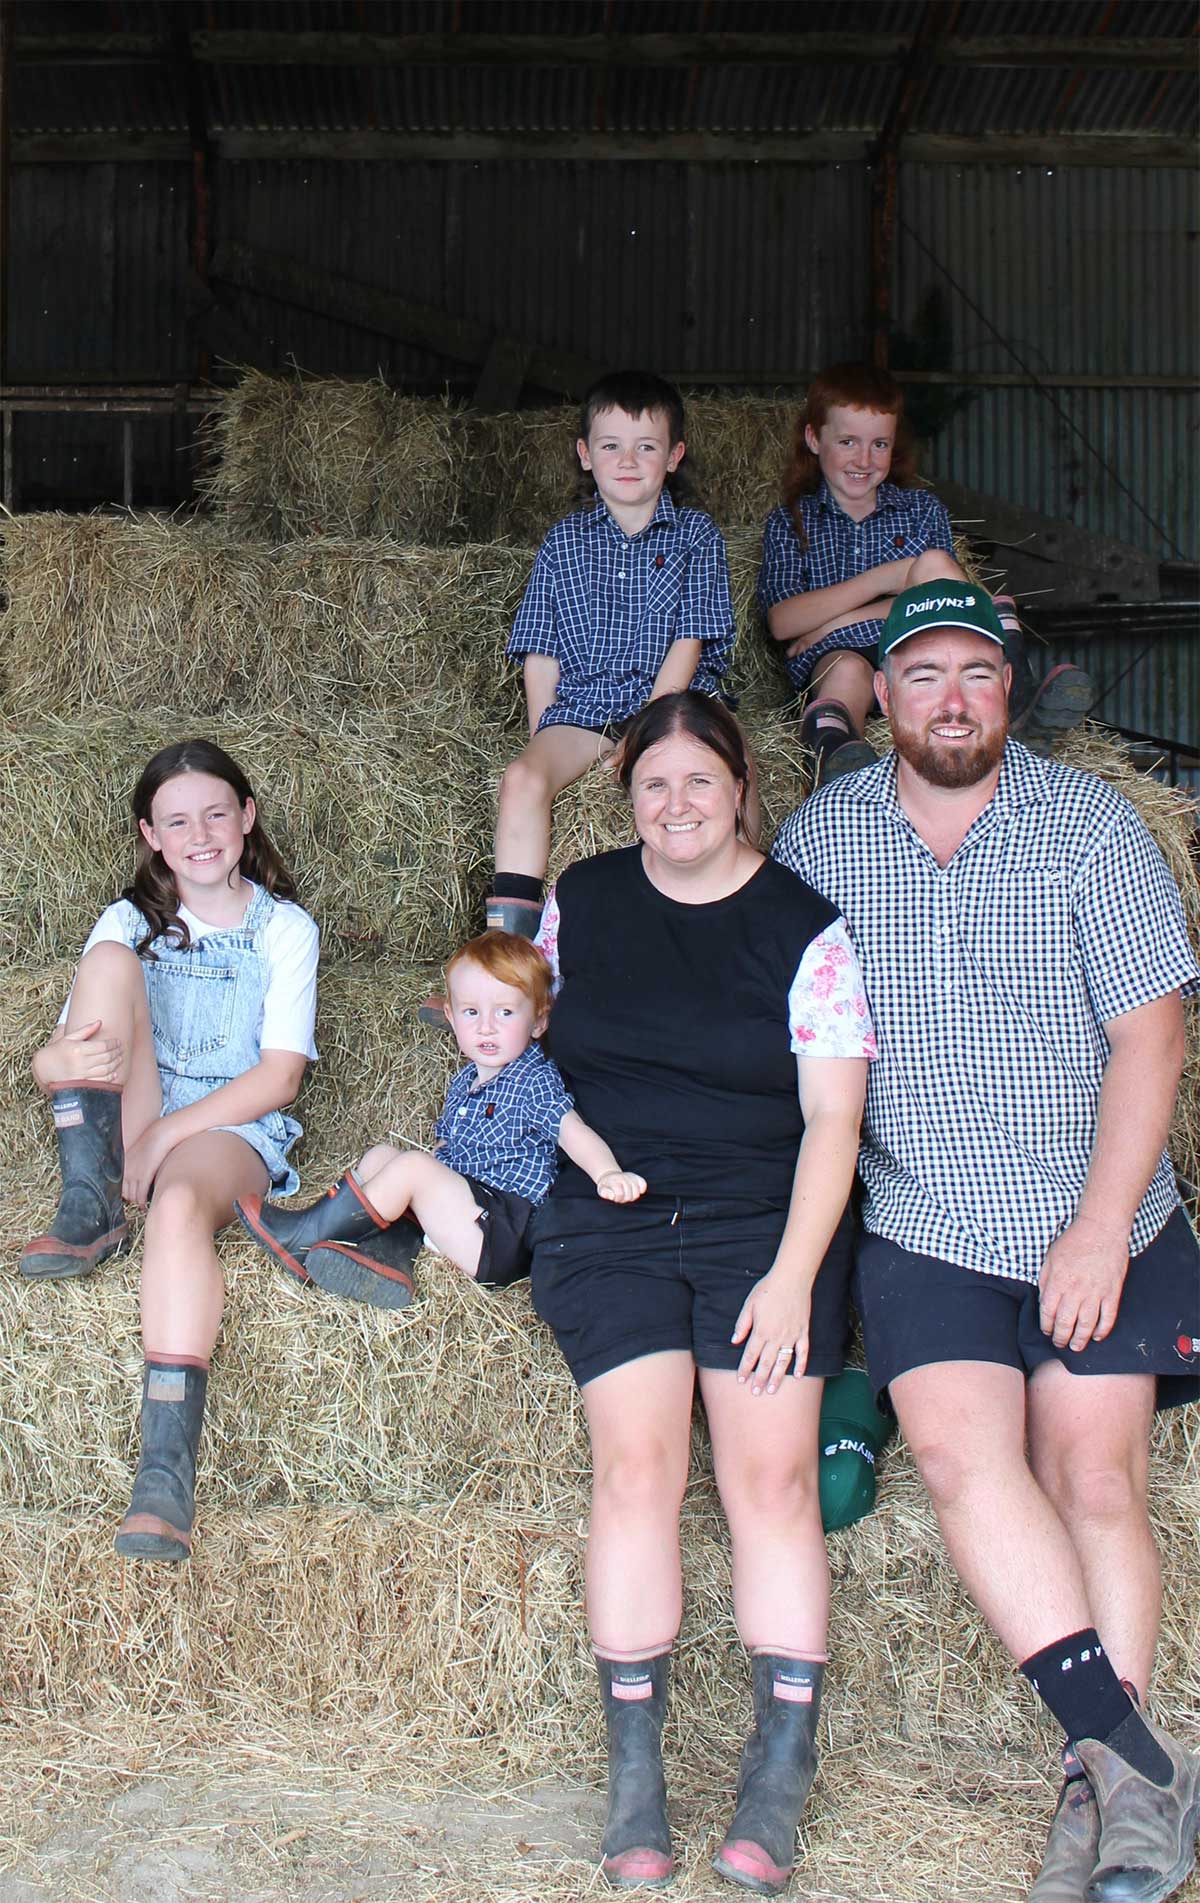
point(123, 612)
point(389, 832)
point(294, 458)
point(433, 1643)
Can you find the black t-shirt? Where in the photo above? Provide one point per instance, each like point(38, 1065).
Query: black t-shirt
point(671, 1027)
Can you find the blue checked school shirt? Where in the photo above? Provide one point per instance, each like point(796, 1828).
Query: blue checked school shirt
point(989, 982)
point(505, 1133)
point(608, 606)
point(903, 522)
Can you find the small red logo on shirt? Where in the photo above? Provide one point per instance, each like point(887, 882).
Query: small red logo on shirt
point(899, 541)
point(658, 561)
point(1187, 1346)
point(490, 1111)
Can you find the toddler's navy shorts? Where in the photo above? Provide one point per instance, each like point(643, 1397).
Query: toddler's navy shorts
point(504, 1224)
point(917, 1310)
point(616, 1281)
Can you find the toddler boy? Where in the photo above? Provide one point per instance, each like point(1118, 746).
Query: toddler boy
point(506, 1115)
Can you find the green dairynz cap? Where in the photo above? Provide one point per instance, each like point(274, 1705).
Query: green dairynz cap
point(940, 604)
point(852, 1436)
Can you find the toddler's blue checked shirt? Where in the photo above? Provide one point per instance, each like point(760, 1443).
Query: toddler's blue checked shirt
point(608, 606)
point(505, 1133)
point(990, 980)
point(904, 522)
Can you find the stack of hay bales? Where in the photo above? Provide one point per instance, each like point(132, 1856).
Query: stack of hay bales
point(387, 1575)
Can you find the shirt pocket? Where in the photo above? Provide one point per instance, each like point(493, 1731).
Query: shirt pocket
point(1022, 957)
point(191, 1009)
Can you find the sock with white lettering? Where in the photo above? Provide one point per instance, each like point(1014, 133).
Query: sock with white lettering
point(1074, 1679)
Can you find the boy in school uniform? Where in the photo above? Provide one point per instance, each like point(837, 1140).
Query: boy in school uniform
point(628, 599)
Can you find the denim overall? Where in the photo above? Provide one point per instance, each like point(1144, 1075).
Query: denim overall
point(206, 1007)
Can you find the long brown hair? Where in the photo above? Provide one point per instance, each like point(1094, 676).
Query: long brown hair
point(856, 386)
point(153, 888)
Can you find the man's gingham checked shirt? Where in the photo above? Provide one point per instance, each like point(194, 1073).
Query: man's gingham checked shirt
point(608, 606)
point(989, 981)
point(505, 1133)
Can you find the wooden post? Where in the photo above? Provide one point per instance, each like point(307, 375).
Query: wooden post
point(910, 90)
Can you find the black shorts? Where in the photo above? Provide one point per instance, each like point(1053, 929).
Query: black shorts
point(917, 1310)
point(504, 1221)
point(616, 1281)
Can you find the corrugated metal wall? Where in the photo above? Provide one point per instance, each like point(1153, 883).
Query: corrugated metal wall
point(751, 270)
point(1089, 270)
point(747, 269)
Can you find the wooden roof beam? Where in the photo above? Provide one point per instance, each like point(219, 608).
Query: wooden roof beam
point(267, 47)
point(686, 148)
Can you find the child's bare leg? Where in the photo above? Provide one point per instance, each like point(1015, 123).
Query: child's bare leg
point(933, 564)
point(528, 789)
point(848, 676)
point(183, 1290)
point(440, 1199)
point(100, 1074)
point(182, 1297)
point(110, 988)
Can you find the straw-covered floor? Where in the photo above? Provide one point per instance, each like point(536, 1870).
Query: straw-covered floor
point(386, 1587)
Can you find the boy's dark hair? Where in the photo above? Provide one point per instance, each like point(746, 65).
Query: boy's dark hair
point(637, 393)
point(702, 718)
point(856, 386)
point(153, 888)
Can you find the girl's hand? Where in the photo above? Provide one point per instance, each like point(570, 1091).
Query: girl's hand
point(620, 1186)
point(78, 1057)
point(774, 1325)
point(143, 1160)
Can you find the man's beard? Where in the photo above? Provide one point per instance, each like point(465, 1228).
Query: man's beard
point(950, 766)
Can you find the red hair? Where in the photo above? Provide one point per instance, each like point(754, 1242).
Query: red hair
point(854, 386)
point(511, 961)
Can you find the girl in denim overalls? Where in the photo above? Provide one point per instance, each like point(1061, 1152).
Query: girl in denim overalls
point(188, 1029)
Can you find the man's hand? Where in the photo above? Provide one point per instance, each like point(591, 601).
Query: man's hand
point(1081, 1282)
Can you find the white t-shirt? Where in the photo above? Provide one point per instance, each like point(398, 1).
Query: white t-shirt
point(291, 944)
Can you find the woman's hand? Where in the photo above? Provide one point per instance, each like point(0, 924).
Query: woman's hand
point(620, 1186)
point(144, 1159)
point(774, 1326)
point(79, 1057)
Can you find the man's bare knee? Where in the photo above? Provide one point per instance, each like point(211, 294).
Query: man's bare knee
point(945, 1472)
point(1100, 1491)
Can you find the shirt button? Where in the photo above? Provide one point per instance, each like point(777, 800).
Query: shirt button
point(620, 574)
point(463, 1111)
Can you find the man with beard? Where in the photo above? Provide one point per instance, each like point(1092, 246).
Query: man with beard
point(1028, 1283)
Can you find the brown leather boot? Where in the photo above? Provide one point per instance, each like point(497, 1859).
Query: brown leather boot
point(1147, 1832)
point(1072, 1846)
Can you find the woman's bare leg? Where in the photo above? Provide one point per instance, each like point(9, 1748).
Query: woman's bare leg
point(639, 1418)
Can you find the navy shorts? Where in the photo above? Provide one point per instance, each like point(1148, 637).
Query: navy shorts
point(504, 1223)
point(616, 1281)
point(917, 1310)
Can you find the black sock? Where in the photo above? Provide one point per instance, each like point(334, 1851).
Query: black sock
point(515, 885)
point(1075, 1680)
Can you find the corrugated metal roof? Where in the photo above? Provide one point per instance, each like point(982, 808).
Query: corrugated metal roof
point(734, 98)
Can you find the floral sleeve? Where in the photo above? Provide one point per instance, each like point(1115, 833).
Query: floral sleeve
point(546, 936)
point(827, 1003)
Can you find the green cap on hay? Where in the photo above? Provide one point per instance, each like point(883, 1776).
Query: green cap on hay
point(853, 1433)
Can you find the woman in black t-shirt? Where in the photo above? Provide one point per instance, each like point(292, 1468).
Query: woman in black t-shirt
point(691, 970)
